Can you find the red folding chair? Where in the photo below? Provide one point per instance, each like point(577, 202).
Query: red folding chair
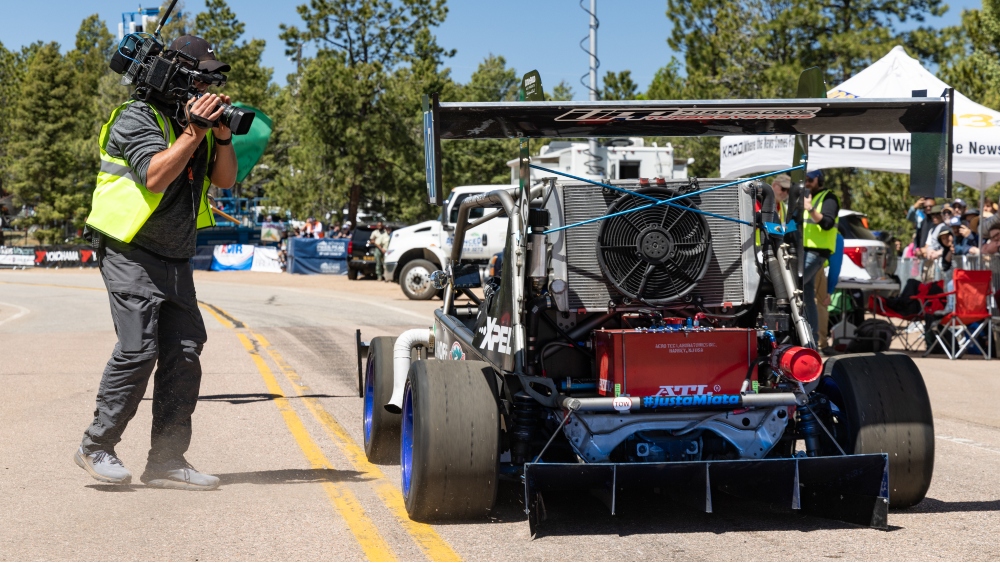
point(974, 303)
point(912, 323)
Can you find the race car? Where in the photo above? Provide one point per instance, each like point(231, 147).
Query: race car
point(639, 338)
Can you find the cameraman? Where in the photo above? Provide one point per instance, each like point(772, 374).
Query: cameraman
point(151, 196)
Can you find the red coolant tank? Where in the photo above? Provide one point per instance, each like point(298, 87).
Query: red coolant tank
point(646, 363)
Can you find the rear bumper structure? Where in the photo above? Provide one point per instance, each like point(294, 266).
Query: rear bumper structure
point(852, 488)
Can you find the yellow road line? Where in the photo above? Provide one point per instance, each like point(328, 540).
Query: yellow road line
point(222, 321)
point(364, 530)
point(432, 544)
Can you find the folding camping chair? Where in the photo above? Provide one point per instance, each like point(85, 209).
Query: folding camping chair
point(974, 303)
point(913, 323)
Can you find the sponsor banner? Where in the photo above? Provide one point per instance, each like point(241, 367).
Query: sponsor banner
point(326, 249)
point(64, 256)
point(232, 257)
point(300, 265)
point(271, 232)
point(265, 259)
point(976, 132)
point(17, 256)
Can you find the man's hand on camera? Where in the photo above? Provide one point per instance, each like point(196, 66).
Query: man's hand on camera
point(220, 130)
point(207, 108)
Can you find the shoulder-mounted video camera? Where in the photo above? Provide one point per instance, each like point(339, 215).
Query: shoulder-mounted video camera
point(169, 76)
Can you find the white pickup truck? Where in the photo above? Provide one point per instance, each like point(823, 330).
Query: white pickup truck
point(418, 250)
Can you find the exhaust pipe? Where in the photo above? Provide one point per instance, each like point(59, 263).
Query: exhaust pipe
point(401, 364)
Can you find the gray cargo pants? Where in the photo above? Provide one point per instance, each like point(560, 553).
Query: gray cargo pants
point(158, 323)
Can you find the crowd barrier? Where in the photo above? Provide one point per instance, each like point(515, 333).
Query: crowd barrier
point(317, 256)
point(933, 270)
point(62, 256)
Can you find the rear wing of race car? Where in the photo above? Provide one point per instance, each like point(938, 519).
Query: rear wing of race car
point(927, 119)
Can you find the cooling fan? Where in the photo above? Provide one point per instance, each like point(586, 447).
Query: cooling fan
point(656, 255)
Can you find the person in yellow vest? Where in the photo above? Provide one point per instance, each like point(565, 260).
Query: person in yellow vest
point(151, 196)
point(819, 235)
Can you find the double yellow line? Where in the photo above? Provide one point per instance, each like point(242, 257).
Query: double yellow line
point(344, 502)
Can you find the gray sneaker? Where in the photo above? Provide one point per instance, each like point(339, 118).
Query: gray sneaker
point(178, 474)
point(103, 466)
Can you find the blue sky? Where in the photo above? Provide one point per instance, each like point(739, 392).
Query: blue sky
point(538, 34)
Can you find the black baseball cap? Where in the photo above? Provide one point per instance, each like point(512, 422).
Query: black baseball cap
point(201, 50)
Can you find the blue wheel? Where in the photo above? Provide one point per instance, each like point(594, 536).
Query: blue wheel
point(406, 443)
point(450, 438)
point(381, 428)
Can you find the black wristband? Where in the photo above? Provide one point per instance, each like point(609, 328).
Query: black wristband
point(224, 142)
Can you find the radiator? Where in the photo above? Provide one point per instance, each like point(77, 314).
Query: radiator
point(732, 277)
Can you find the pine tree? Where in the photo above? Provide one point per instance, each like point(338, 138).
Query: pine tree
point(46, 171)
point(248, 81)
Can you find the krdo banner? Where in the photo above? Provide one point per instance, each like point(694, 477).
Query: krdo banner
point(232, 257)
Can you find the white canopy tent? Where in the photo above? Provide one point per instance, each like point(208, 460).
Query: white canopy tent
point(975, 151)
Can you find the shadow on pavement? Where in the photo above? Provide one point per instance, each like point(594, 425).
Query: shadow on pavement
point(112, 488)
point(288, 477)
point(244, 398)
point(935, 506)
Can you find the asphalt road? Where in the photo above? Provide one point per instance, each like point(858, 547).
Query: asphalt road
point(280, 422)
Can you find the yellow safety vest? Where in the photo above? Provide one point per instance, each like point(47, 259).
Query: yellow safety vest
point(121, 205)
point(812, 235)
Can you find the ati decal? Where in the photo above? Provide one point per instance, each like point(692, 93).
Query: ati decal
point(456, 352)
point(690, 401)
point(685, 114)
point(683, 390)
point(496, 337)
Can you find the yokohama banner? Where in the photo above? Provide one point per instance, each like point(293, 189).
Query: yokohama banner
point(65, 256)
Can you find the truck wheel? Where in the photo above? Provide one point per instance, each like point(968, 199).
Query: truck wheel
point(415, 279)
point(352, 273)
point(381, 427)
point(884, 408)
point(450, 441)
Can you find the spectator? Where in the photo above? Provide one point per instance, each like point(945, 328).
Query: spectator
point(346, 229)
point(959, 206)
point(917, 214)
point(965, 241)
point(334, 232)
point(380, 241)
point(930, 247)
point(920, 217)
point(992, 245)
point(947, 244)
point(989, 208)
point(819, 233)
point(313, 229)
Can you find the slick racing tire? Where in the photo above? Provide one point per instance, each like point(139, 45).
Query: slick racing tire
point(450, 441)
point(381, 427)
point(884, 408)
point(415, 279)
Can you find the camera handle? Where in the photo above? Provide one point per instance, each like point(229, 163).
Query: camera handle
point(163, 19)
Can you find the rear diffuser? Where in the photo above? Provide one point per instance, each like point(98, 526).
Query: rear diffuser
point(852, 488)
